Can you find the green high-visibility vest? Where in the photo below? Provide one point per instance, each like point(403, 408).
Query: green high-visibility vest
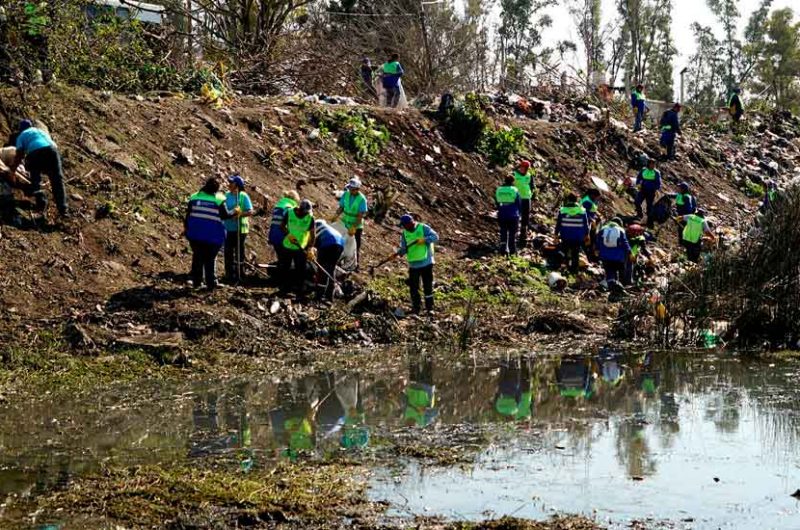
point(506, 195)
point(638, 95)
point(300, 228)
point(636, 245)
point(391, 67)
point(286, 202)
point(693, 231)
point(593, 208)
point(350, 210)
point(506, 405)
point(648, 174)
point(35, 21)
point(524, 184)
point(680, 198)
point(573, 210)
point(415, 252)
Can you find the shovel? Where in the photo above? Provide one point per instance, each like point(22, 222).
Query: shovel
point(387, 260)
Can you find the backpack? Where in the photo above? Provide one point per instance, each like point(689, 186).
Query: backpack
point(662, 209)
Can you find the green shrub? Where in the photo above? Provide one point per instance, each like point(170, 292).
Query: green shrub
point(753, 189)
point(357, 132)
point(502, 145)
point(466, 122)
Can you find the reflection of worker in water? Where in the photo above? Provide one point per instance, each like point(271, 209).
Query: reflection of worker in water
point(210, 438)
point(609, 367)
point(649, 377)
point(420, 393)
point(293, 422)
point(575, 378)
point(514, 397)
point(341, 412)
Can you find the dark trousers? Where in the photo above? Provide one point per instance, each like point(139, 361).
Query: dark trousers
point(358, 234)
point(204, 257)
point(414, 276)
point(508, 235)
point(327, 258)
point(524, 221)
point(46, 161)
point(392, 96)
point(648, 197)
point(630, 272)
point(233, 264)
point(292, 279)
point(572, 252)
point(692, 251)
point(614, 270)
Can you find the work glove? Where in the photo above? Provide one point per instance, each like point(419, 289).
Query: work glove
point(420, 241)
point(352, 230)
point(293, 239)
point(237, 212)
point(311, 254)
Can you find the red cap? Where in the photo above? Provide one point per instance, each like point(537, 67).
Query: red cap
point(524, 164)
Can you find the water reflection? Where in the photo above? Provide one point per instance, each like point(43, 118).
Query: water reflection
point(653, 417)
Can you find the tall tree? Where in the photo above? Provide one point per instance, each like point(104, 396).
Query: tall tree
point(727, 13)
point(706, 68)
point(520, 36)
point(779, 69)
point(646, 30)
point(587, 16)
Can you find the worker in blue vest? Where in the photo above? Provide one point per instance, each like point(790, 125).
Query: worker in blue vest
point(649, 182)
point(507, 201)
point(298, 247)
point(330, 245)
point(41, 156)
point(639, 105)
point(670, 128)
point(204, 229)
point(614, 250)
point(391, 72)
point(416, 243)
point(572, 230)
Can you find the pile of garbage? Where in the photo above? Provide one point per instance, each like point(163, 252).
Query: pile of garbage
point(572, 111)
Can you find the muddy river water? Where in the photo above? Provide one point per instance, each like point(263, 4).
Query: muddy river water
point(698, 441)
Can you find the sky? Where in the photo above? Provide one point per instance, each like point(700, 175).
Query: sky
point(684, 13)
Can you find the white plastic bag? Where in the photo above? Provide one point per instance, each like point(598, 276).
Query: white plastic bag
point(402, 102)
point(349, 259)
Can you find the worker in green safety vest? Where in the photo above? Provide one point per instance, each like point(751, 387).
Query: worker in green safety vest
point(695, 228)
point(353, 209)
point(639, 106)
point(507, 199)
point(416, 243)
point(298, 246)
point(523, 181)
point(391, 72)
point(589, 202)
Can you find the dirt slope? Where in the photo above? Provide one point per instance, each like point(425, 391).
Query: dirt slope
point(123, 155)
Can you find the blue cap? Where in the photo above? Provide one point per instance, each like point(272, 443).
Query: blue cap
point(684, 185)
point(236, 179)
point(25, 124)
point(406, 219)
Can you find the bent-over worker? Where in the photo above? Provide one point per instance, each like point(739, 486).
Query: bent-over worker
point(416, 243)
point(298, 246)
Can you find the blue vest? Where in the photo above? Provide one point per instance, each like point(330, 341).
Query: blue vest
point(327, 236)
point(204, 224)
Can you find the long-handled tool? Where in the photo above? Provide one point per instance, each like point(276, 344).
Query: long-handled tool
point(388, 259)
point(239, 238)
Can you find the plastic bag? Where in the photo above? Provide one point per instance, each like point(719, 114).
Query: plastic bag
point(402, 102)
point(349, 259)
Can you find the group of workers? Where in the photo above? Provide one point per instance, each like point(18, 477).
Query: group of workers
point(215, 220)
point(669, 123)
point(390, 74)
point(617, 243)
